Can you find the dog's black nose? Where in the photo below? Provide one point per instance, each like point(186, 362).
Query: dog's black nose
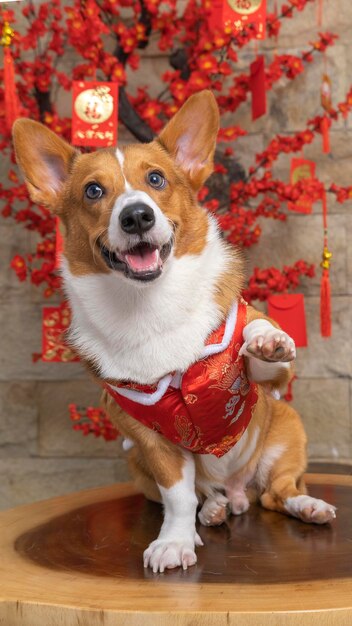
point(136, 219)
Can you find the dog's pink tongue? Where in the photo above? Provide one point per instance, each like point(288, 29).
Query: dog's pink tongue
point(143, 260)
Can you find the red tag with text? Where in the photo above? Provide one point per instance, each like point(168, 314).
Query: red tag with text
point(94, 114)
point(258, 87)
point(288, 311)
point(242, 13)
point(301, 169)
point(56, 321)
point(59, 243)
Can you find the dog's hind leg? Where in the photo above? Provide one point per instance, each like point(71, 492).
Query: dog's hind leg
point(285, 489)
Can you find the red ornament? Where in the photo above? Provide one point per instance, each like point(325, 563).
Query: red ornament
point(301, 169)
point(242, 13)
point(288, 311)
point(56, 321)
point(258, 87)
point(94, 114)
point(238, 15)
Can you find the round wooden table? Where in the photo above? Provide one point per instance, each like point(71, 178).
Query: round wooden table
point(77, 560)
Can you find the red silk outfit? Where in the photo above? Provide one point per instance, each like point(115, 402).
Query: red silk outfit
point(207, 408)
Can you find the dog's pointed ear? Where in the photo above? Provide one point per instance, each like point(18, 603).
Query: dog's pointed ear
point(190, 137)
point(44, 159)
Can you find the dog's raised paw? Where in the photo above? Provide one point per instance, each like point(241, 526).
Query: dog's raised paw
point(272, 345)
point(310, 510)
point(163, 554)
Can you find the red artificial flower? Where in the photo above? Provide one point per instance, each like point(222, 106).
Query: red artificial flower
point(18, 264)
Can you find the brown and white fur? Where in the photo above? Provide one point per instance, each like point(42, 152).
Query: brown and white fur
point(129, 328)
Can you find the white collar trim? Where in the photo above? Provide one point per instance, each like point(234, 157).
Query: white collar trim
point(149, 399)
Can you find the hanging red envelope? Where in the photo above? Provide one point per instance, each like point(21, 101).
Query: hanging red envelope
point(288, 311)
point(301, 169)
point(56, 321)
point(94, 114)
point(242, 13)
point(258, 87)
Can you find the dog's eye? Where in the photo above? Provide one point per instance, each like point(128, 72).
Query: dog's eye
point(156, 180)
point(94, 191)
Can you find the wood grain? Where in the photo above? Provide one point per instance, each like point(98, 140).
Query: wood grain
point(77, 560)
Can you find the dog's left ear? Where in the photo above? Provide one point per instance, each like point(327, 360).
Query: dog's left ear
point(190, 137)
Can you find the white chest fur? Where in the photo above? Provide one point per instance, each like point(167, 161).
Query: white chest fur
point(142, 332)
point(233, 461)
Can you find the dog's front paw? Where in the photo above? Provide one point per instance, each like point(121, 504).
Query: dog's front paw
point(163, 554)
point(270, 344)
point(214, 511)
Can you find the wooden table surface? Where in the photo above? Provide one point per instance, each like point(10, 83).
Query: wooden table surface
point(77, 561)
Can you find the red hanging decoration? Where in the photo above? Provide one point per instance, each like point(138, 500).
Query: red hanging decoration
point(325, 131)
point(287, 309)
point(325, 287)
point(242, 13)
point(301, 169)
point(239, 14)
point(258, 87)
point(56, 321)
point(12, 104)
point(94, 114)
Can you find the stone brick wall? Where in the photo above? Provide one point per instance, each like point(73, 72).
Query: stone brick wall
point(40, 454)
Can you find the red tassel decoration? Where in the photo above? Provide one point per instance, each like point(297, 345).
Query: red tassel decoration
point(325, 127)
point(325, 287)
point(12, 104)
point(325, 304)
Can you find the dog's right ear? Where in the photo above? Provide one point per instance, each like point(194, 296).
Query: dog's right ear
point(44, 159)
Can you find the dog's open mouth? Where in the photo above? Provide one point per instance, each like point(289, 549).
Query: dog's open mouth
point(142, 262)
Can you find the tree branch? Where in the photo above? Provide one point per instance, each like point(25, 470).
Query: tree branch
point(130, 118)
point(43, 101)
point(127, 114)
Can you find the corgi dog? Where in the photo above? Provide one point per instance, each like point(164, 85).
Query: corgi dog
point(189, 370)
